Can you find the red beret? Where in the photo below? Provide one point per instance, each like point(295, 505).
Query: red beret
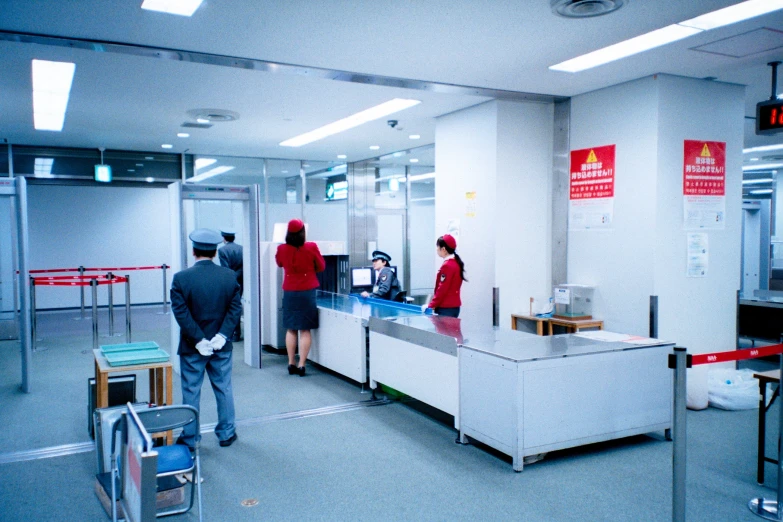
point(450, 241)
point(295, 225)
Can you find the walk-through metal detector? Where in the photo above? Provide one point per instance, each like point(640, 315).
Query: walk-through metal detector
point(14, 271)
point(216, 207)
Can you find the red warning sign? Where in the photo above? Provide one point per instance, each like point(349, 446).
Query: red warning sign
point(704, 168)
point(592, 173)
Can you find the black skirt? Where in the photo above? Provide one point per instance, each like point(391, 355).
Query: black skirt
point(299, 310)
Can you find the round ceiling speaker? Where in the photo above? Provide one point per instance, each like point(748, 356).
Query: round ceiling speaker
point(213, 115)
point(585, 8)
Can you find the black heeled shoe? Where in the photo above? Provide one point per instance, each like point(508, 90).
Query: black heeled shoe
point(301, 371)
point(292, 369)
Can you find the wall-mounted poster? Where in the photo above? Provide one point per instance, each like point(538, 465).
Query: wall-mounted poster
point(704, 184)
point(591, 188)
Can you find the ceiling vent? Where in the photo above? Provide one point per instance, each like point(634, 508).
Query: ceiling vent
point(585, 8)
point(213, 115)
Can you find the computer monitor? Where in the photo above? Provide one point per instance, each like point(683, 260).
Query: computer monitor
point(361, 277)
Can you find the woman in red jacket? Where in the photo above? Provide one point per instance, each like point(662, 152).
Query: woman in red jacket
point(448, 282)
point(300, 261)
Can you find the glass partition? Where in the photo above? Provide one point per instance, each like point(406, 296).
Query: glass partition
point(326, 210)
point(285, 195)
point(424, 261)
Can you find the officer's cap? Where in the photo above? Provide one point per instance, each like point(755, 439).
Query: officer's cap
point(381, 255)
point(205, 239)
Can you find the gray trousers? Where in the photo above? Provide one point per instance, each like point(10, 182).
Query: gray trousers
point(218, 366)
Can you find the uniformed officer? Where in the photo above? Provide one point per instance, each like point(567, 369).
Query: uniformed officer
point(386, 284)
point(230, 255)
point(206, 304)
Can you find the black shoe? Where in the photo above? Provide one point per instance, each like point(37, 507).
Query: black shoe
point(292, 370)
point(229, 441)
point(301, 371)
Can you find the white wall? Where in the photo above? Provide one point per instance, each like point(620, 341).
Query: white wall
point(523, 258)
point(422, 246)
point(466, 161)
point(105, 226)
point(502, 151)
point(619, 261)
point(699, 313)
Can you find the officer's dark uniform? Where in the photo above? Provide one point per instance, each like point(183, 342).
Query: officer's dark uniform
point(205, 302)
point(230, 255)
point(387, 286)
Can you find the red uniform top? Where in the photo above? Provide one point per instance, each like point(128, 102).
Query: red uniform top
point(300, 265)
point(447, 286)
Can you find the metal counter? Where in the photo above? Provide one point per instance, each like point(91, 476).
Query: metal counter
point(340, 341)
point(524, 394)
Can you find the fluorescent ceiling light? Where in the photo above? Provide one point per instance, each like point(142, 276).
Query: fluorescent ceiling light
point(414, 160)
point(211, 173)
point(177, 7)
point(757, 181)
point(183, 135)
point(765, 166)
point(341, 156)
point(733, 14)
point(51, 89)
point(204, 162)
point(43, 167)
point(761, 191)
point(360, 118)
point(669, 34)
point(764, 148)
point(167, 146)
point(414, 136)
point(421, 177)
point(374, 147)
point(202, 120)
point(149, 180)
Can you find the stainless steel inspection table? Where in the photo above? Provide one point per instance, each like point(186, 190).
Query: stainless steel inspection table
point(539, 394)
point(340, 341)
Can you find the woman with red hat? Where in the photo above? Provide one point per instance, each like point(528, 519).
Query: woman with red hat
point(448, 282)
point(300, 261)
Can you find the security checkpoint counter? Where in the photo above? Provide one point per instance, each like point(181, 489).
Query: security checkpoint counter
point(418, 357)
point(539, 394)
point(341, 339)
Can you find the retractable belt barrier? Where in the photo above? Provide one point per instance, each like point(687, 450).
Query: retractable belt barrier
point(92, 281)
point(82, 270)
point(680, 361)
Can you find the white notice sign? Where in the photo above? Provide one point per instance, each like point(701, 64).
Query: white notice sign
point(698, 255)
point(562, 296)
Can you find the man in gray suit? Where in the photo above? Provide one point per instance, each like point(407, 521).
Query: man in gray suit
point(206, 303)
point(230, 255)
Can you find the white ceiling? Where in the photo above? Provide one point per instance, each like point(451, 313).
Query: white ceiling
point(119, 101)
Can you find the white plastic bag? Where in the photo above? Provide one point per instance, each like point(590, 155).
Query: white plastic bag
point(733, 389)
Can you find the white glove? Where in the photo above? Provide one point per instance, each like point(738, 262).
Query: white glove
point(204, 347)
point(217, 342)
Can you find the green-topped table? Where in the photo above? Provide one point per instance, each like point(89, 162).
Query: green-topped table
point(160, 381)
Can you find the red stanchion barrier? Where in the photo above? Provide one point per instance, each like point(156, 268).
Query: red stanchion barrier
point(76, 281)
point(99, 269)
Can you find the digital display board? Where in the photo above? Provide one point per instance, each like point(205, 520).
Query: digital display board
point(769, 117)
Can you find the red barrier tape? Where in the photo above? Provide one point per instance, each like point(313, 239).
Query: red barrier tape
point(76, 281)
point(737, 355)
point(122, 268)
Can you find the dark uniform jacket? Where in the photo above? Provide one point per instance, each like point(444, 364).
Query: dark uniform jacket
point(230, 256)
point(205, 301)
point(387, 286)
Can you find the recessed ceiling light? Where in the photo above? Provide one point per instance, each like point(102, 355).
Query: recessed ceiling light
point(131, 170)
point(398, 154)
point(202, 120)
point(149, 158)
point(140, 164)
point(183, 135)
point(757, 181)
point(766, 166)
point(374, 147)
point(414, 136)
point(764, 148)
point(414, 160)
point(754, 159)
point(43, 167)
point(373, 113)
point(341, 156)
point(149, 180)
point(284, 172)
point(167, 146)
point(305, 165)
point(177, 7)
point(51, 89)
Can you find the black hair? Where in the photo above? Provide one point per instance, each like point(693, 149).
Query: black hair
point(229, 237)
point(442, 244)
point(295, 239)
point(197, 252)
